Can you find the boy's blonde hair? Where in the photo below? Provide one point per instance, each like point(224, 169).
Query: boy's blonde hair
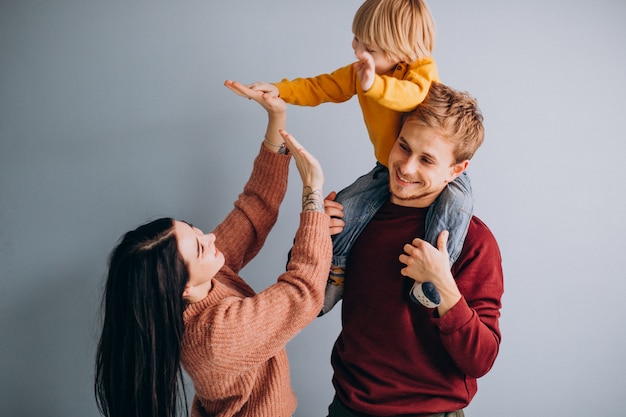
point(456, 115)
point(404, 29)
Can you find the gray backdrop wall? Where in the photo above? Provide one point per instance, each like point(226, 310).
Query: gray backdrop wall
point(114, 113)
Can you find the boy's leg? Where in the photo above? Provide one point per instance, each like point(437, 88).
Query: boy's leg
point(451, 211)
point(361, 200)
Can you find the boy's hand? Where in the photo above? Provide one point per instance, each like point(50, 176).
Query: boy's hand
point(270, 103)
point(365, 68)
point(268, 88)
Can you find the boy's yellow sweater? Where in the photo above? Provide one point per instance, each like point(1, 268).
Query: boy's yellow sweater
point(391, 95)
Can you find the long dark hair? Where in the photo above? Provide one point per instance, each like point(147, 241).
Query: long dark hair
point(138, 372)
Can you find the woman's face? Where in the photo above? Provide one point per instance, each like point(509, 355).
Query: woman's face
point(199, 252)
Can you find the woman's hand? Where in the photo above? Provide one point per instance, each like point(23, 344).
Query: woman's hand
point(265, 87)
point(276, 112)
point(311, 173)
point(270, 101)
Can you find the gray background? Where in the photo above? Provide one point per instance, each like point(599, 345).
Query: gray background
point(114, 113)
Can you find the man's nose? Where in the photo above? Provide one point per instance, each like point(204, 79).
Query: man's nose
point(410, 166)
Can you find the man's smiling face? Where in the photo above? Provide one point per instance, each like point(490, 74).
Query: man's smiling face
point(421, 164)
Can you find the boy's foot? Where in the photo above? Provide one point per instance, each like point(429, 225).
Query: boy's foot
point(425, 294)
point(334, 289)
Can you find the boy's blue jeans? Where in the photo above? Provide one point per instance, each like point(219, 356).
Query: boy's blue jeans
point(451, 211)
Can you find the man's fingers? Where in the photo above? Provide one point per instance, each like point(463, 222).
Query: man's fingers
point(442, 240)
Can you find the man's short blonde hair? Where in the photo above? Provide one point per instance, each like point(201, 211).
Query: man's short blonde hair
point(404, 29)
point(456, 115)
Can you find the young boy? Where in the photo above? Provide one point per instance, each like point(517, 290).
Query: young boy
point(393, 42)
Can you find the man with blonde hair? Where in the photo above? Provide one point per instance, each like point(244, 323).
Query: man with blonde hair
point(394, 357)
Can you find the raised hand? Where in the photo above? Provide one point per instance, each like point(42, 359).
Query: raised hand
point(311, 173)
point(268, 88)
point(365, 68)
point(276, 111)
point(270, 102)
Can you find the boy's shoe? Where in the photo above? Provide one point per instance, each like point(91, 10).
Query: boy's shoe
point(334, 289)
point(425, 294)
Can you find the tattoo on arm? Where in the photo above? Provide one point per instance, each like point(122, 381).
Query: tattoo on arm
point(312, 199)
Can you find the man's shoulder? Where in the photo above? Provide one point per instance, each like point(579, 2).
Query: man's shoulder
point(480, 248)
point(480, 225)
point(479, 232)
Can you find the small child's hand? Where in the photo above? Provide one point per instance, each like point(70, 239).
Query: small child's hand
point(270, 103)
point(365, 69)
point(268, 88)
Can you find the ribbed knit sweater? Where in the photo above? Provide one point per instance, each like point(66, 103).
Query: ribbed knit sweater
point(234, 341)
point(392, 94)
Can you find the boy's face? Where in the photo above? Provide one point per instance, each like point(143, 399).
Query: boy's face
point(421, 164)
point(381, 62)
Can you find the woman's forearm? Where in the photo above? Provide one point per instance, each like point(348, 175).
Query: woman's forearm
point(273, 140)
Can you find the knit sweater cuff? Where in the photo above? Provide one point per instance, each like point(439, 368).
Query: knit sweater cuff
point(377, 89)
point(284, 89)
point(456, 318)
point(313, 239)
point(268, 161)
point(318, 221)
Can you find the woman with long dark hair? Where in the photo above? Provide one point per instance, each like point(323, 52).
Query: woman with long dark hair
point(174, 300)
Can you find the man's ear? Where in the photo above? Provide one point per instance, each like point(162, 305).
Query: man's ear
point(457, 169)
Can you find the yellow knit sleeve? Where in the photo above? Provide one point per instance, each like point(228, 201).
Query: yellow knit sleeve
point(336, 87)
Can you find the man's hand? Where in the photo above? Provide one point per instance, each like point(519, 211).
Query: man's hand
point(424, 262)
point(335, 211)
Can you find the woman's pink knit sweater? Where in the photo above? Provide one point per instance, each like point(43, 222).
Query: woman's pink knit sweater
point(234, 342)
